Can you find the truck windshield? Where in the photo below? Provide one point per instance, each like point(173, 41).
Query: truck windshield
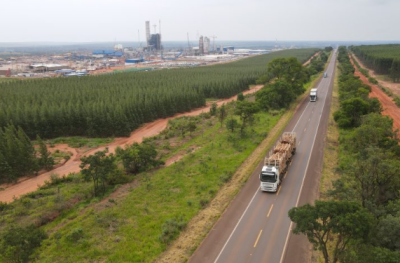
point(268, 177)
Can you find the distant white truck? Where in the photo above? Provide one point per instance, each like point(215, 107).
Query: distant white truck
point(276, 165)
point(313, 95)
point(325, 75)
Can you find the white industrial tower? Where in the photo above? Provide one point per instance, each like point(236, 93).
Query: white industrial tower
point(147, 32)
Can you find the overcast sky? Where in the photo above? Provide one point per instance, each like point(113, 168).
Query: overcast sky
point(120, 20)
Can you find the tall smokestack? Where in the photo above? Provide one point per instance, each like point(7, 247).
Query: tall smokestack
point(147, 32)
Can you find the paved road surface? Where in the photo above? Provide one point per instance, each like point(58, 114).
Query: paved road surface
point(255, 227)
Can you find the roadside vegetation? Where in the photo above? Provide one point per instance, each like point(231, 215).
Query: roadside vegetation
point(79, 142)
point(359, 219)
point(123, 206)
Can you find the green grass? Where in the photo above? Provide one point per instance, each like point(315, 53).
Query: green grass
point(176, 192)
point(78, 142)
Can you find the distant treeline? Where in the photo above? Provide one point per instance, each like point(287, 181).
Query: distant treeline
point(114, 105)
point(384, 59)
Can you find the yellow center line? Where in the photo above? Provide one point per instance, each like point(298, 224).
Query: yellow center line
point(269, 212)
point(255, 244)
point(277, 193)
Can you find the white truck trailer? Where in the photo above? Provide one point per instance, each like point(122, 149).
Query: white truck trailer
point(313, 95)
point(276, 165)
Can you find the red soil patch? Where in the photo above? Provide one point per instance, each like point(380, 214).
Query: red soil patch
point(389, 107)
point(309, 61)
point(394, 87)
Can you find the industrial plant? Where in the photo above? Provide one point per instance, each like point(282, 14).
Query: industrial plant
point(149, 55)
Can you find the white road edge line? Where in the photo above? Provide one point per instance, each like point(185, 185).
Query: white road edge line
point(236, 226)
point(229, 238)
point(301, 188)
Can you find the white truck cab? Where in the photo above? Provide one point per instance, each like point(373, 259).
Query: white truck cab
point(270, 179)
point(313, 95)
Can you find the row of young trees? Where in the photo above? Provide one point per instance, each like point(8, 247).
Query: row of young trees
point(114, 105)
point(362, 222)
point(317, 64)
point(384, 59)
point(354, 100)
point(284, 82)
point(18, 157)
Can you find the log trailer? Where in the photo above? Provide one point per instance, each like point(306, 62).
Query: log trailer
point(276, 165)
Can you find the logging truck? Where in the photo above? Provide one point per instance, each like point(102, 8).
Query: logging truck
point(313, 95)
point(276, 165)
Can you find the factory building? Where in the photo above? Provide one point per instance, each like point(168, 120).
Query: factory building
point(46, 67)
point(201, 45)
point(147, 32)
point(155, 41)
point(206, 45)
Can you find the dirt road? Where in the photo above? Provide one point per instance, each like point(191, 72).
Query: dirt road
point(389, 107)
point(394, 87)
point(309, 61)
point(72, 166)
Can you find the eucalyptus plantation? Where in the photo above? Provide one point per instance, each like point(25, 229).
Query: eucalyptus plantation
point(116, 104)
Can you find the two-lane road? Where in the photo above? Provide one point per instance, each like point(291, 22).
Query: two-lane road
point(256, 227)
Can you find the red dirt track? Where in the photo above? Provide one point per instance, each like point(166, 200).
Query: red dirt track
point(72, 165)
point(389, 107)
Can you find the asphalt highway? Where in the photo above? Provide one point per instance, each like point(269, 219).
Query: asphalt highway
point(256, 226)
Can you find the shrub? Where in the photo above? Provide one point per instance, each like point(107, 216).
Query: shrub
point(75, 234)
point(17, 244)
point(171, 229)
point(204, 202)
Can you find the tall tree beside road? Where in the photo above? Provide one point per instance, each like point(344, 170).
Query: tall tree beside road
point(284, 82)
point(97, 168)
point(332, 224)
point(222, 114)
point(276, 95)
point(138, 158)
point(245, 110)
point(289, 70)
